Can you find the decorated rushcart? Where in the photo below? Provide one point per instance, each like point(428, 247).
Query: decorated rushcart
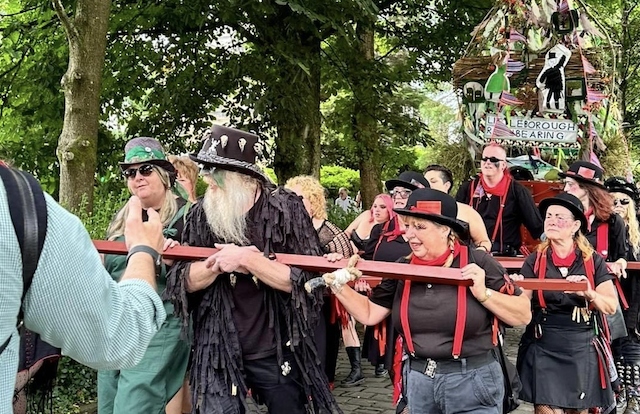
point(539, 78)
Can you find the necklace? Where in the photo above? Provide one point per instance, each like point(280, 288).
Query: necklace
point(564, 271)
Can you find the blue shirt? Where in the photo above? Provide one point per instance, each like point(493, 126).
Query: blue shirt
point(73, 302)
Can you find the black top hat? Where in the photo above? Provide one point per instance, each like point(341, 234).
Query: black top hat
point(620, 185)
point(570, 202)
point(585, 172)
point(434, 206)
point(231, 149)
point(409, 180)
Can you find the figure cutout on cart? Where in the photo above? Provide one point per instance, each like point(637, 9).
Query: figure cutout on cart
point(474, 96)
point(551, 80)
point(566, 22)
point(498, 80)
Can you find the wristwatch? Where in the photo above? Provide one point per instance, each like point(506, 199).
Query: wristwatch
point(487, 294)
point(157, 257)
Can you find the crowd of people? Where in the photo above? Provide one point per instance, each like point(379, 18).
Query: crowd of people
point(240, 324)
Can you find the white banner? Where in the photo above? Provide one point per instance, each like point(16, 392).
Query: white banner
point(535, 129)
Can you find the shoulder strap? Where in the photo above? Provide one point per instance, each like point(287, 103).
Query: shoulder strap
point(540, 267)
point(602, 240)
point(461, 313)
point(28, 210)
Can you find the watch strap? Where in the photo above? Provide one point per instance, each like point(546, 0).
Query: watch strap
point(157, 257)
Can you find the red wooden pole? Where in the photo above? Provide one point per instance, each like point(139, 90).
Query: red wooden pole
point(373, 270)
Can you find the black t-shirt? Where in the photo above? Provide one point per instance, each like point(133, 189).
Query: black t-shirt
point(384, 248)
point(519, 209)
point(560, 302)
point(618, 247)
point(433, 308)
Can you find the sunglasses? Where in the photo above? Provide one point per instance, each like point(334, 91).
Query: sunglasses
point(492, 159)
point(145, 170)
point(402, 193)
point(621, 201)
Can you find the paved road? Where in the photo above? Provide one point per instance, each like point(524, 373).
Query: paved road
point(374, 396)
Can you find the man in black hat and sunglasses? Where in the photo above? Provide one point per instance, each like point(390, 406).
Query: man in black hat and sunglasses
point(253, 321)
point(503, 203)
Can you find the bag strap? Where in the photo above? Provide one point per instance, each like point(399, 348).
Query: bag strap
point(503, 365)
point(28, 210)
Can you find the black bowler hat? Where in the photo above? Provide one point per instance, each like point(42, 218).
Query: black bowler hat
point(410, 180)
point(620, 185)
point(231, 149)
point(434, 206)
point(571, 203)
point(585, 172)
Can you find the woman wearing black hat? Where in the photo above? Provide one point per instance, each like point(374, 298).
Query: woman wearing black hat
point(627, 349)
point(562, 362)
point(605, 230)
point(446, 329)
point(387, 243)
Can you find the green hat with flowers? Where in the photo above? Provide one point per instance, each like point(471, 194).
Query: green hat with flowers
point(145, 150)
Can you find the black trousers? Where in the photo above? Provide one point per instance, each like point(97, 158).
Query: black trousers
point(280, 393)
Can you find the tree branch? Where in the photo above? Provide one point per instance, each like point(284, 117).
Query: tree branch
point(19, 13)
point(69, 27)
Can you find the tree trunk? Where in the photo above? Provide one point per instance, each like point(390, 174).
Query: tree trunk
point(298, 124)
point(365, 131)
point(77, 146)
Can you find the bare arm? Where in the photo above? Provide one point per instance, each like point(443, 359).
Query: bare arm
point(477, 229)
point(603, 297)
point(510, 309)
point(138, 233)
point(274, 274)
point(513, 310)
point(355, 223)
point(360, 307)
point(201, 275)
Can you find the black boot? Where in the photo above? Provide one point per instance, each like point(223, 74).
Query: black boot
point(380, 371)
point(355, 376)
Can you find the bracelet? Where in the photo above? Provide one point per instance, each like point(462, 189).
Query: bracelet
point(157, 257)
point(487, 294)
point(482, 247)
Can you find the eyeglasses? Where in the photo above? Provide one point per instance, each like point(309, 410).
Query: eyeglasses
point(402, 193)
point(145, 170)
point(621, 201)
point(492, 159)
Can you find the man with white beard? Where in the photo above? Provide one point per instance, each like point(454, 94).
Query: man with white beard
point(253, 322)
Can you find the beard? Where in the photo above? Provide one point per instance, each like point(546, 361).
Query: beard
point(225, 208)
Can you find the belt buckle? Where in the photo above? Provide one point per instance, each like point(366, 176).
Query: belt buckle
point(430, 369)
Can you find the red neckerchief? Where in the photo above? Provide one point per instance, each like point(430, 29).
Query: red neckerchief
point(588, 214)
point(500, 189)
point(563, 262)
point(461, 315)
point(438, 261)
point(396, 232)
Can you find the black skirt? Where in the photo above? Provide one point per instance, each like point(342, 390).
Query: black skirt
point(561, 367)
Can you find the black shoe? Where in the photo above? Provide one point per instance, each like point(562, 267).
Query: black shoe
point(381, 371)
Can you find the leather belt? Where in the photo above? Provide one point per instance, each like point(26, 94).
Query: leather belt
point(431, 367)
